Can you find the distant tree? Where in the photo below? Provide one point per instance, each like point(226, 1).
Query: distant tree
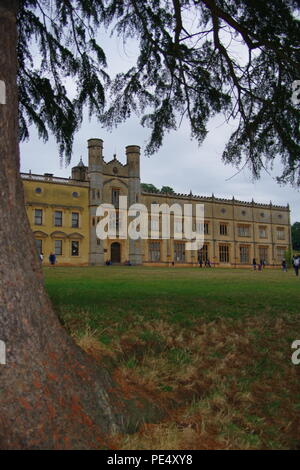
point(167, 190)
point(296, 236)
point(149, 188)
point(288, 256)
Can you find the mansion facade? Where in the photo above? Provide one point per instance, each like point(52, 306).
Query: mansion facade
point(62, 215)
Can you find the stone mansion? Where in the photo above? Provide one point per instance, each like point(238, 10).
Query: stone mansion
point(62, 215)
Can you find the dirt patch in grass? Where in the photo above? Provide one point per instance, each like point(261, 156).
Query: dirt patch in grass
point(226, 384)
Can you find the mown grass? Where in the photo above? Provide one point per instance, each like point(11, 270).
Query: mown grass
point(211, 346)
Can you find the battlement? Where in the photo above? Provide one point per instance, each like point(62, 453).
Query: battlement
point(213, 198)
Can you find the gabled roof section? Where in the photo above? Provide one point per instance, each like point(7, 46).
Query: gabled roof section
point(115, 161)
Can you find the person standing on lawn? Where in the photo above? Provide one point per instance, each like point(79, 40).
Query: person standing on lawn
point(297, 264)
point(52, 259)
point(284, 266)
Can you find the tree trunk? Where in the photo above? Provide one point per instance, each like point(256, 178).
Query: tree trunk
point(52, 395)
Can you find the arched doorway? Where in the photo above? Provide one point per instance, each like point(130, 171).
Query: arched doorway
point(115, 252)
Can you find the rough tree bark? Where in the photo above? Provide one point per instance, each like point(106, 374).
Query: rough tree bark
point(52, 395)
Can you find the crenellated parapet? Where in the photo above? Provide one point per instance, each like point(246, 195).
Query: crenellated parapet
point(192, 197)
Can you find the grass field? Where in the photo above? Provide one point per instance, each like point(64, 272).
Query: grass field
point(212, 347)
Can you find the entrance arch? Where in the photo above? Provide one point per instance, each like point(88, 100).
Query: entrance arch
point(115, 252)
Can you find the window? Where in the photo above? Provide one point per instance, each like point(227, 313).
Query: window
point(223, 229)
point(224, 253)
point(154, 249)
point(280, 253)
point(118, 221)
point(115, 195)
point(74, 248)
point(263, 253)
point(280, 233)
point(38, 190)
point(58, 218)
point(75, 194)
point(75, 220)
point(179, 252)
point(243, 231)
point(38, 216)
point(58, 247)
point(39, 246)
point(205, 228)
point(244, 254)
point(262, 232)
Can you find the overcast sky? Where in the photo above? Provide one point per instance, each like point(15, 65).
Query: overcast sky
point(180, 162)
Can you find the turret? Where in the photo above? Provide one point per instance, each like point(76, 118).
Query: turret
point(95, 147)
point(134, 195)
point(95, 176)
point(133, 160)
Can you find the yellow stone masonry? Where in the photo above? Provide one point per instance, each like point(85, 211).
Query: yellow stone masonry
point(62, 215)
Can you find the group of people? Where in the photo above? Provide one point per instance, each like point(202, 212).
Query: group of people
point(262, 263)
point(126, 263)
point(206, 262)
point(295, 263)
point(52, 258)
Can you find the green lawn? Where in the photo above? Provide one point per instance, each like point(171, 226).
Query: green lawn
point(180, 294)
point(212, 346)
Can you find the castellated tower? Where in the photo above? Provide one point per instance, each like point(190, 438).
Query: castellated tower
point(95, 175)
point(134, 196)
